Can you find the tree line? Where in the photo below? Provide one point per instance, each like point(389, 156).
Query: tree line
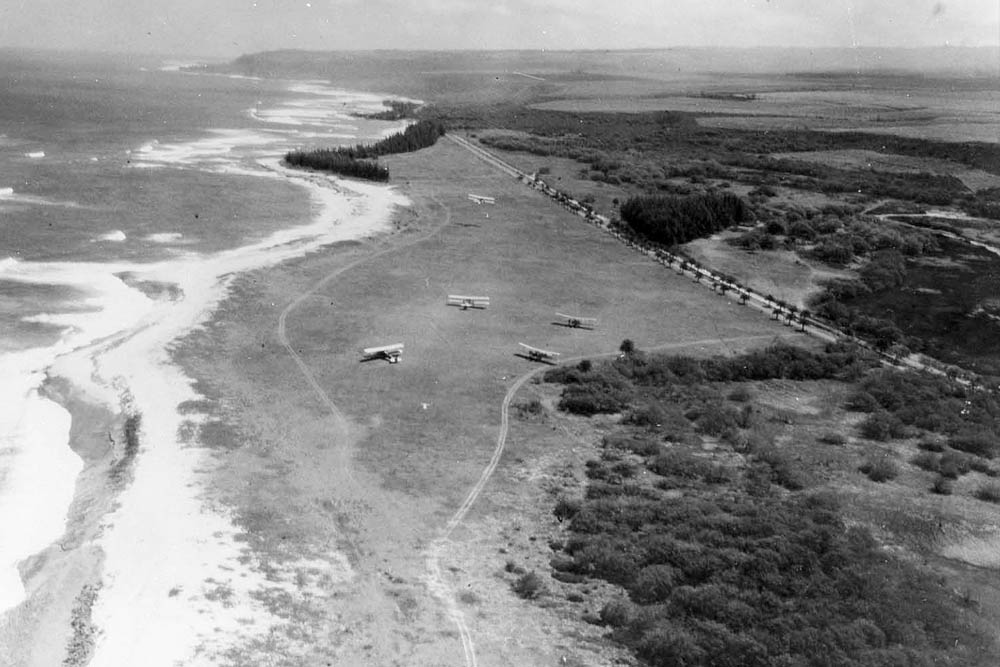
point(672, 220)
point(360, 160)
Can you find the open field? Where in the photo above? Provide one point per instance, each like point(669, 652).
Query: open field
point(381, 486)
point(974, 179)
point(780, 273)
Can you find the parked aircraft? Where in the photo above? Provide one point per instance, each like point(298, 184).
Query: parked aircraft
point(391, 353)
point(482, 199)
point(467, 302)
point(538, 354)
point(578, 322)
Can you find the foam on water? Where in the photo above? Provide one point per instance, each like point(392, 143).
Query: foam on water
point(153, 610)
point(165, 237)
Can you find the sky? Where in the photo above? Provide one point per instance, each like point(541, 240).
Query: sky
point(227, 28)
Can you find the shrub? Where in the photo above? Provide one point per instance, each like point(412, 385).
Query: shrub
point(942, 486)
point(677, 463)
point(989, 492)
point(616, 613)
point(981, 466)
point(528, 586)
point(650, 415)
point(880, 469)
point(931, 445)
point(883, 426)
point(740, 394)
point(643, 446)
point(567, 508)
point(531, 408)
point(862, 401)
point(978, 443)
point(513, 568)
point(928, 461)
point(954, 464)
point(831, 438)
point(717, 419)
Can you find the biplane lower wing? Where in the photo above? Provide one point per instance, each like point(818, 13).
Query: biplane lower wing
point(468, 301)
point(391, 353)
point(578, 322)
point(538, 354)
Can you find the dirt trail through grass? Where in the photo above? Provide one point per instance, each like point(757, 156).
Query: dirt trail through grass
point(438, 587)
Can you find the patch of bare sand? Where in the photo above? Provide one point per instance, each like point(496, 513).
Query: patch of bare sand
point(981, 551)
point(780, 273)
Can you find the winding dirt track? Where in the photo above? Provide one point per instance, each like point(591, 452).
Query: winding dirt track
point(436, 581)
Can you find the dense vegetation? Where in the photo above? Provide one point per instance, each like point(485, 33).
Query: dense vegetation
point(671, 220)
point(653, 150)
point(725, 557)
point(397, 110)
point(334, 161)
point(358, 161)
point(419, 135)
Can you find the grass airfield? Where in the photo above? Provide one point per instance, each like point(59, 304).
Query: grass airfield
point(344, 488)
point(380, 487)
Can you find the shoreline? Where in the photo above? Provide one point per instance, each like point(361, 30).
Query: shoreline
point(99, 511)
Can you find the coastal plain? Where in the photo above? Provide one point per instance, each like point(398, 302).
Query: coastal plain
point(392, 511)
point(379, 485)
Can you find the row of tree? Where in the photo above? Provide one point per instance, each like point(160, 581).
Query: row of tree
point(360, 161)
point(332, 160)
point(419, 135)
point(672, 220)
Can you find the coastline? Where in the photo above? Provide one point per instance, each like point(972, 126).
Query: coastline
point(116, 528)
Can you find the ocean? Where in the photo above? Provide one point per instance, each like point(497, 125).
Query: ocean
point(131, 191)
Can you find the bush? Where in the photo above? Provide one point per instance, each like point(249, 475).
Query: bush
point(977, 443)
point(740, 394)
point(529, 586)
point(567, 508)
point(928, 461)
point(942, 486)
point(954, 464)
point(880, 469)
point(831, 438)
point(931, 445)
point(650, 415)
point(989, 492)
point(677, 463)
point(643, 446)
point(862, 401)
point(616, 613)
point(883, 426)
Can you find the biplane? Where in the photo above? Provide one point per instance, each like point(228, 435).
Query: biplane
point(538, 354)
point(466, 302)
point(482, 199)
point(391, 353)
point(577, 322)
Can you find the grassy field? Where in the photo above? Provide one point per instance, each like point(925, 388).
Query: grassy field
point(419, 433)
point(974, 179)
point(344, 487)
